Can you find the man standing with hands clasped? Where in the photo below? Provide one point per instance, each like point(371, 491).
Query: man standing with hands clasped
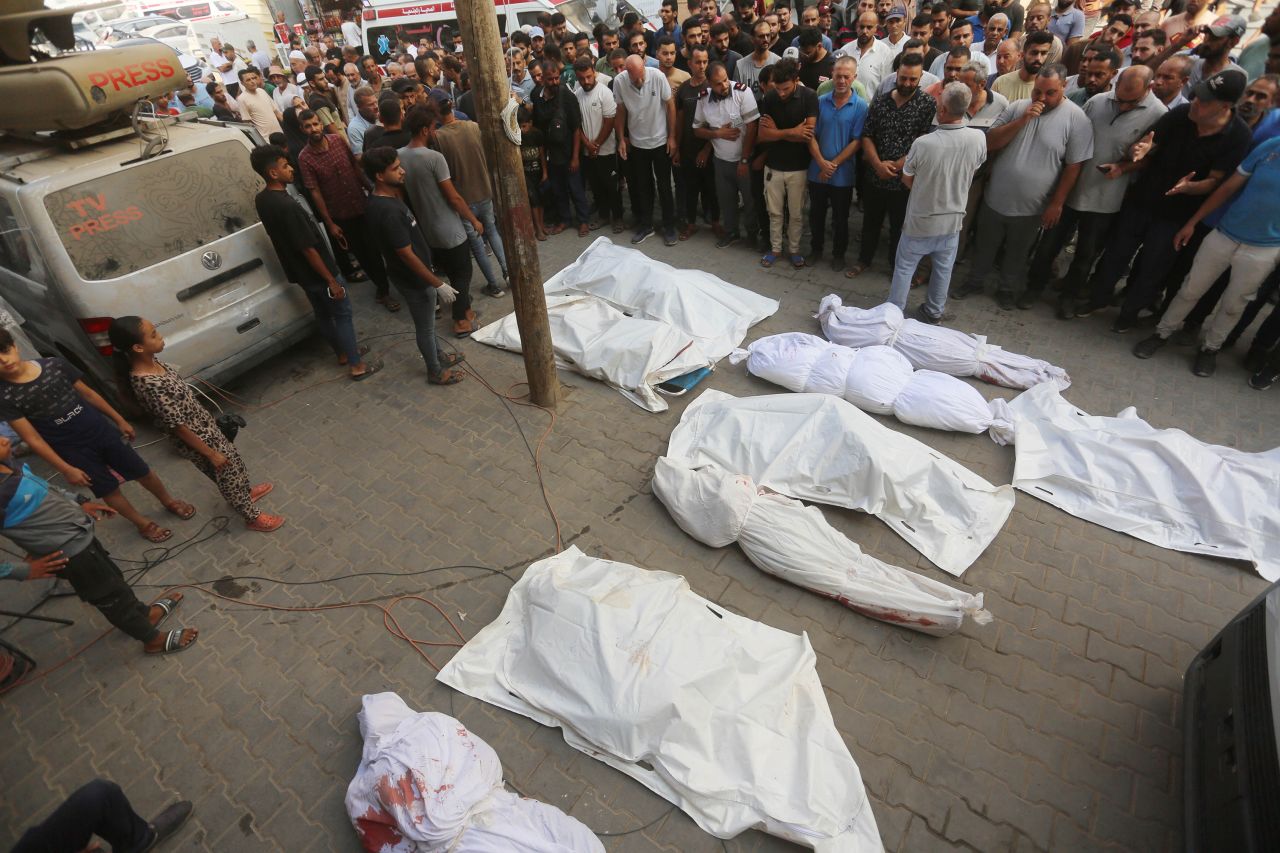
point(834, 146)
point(937, 172)
point(788, 116)
point(647, 141)
point(727, 115)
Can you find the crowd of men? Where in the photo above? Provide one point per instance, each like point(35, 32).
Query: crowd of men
point(1058, 150)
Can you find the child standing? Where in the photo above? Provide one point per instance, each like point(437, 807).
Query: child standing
point(534, 155)
point(161, 392)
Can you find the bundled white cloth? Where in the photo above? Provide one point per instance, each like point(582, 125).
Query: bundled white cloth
point(794, 542)
point(934, 347)
point(427, 785)
point(720, 714)
point(634, 323)
point(819, 448)
point(1159, 485)
point(875, 379)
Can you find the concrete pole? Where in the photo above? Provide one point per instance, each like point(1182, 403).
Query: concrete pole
point(482, 46)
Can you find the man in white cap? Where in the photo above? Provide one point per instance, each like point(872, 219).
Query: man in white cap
point(538, 39)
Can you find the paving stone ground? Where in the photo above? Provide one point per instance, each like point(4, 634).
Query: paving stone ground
point(1056, 727)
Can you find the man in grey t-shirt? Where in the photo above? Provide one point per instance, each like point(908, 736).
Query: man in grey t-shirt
point(1119, 118)
point(1046, 141)
point(937, 172)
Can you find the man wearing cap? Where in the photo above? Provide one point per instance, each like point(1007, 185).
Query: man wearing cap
point(537, 40)
point(298, 64)
point(287, 94)
point(895, 30)
point(1214, 53)
point(1182, 159)
point(1119, 119)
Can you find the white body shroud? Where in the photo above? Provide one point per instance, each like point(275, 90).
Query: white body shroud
point(427, 785)
point(633, 322)
point(875, 379)
point(934, 347)
point(1159, 485)
point(640, 672)
point(794, 542)
point(819, 448)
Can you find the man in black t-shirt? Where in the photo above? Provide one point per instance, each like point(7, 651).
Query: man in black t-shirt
point(816, 62)
point(306, 257)
point(695, 153)
point(1189, 151)
point(557, 115)
point(788, 115)
point(405, 250)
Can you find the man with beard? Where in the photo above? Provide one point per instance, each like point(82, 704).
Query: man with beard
point(1067, 22)
point(1095, 78)
point(337, 190)
point(747, 71)
point(556, 114)
point(922, 29)
point(816, 62)
point(1119, 119)
point(698, 176)
point(1188, 153)
point(895, 121)
point(788, 115)
point(727, 117)
point(1038, 21)
point(320, 101)
point(1145, 46)
point(609, 43)
point(1017, 85)
point(721, 48)
point(365, 119)
point(647, 142)
point(598, 144)
point(940, 21)
point(1048, 140)
point(873, 57)
point(739, 39)
point(837, 135)
point(787, 29)
point(962, 36)
point(1214, 53)
point(1110, 35)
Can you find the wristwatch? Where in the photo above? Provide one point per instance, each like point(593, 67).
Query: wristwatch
point(744, 161)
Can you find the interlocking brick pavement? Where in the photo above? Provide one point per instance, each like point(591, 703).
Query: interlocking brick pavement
point(1054, 727)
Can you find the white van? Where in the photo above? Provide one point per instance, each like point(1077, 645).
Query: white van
point(90, 229)
point(209, 18)
point(384, 21)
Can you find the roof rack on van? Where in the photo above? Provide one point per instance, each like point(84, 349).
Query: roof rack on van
point(49, 144)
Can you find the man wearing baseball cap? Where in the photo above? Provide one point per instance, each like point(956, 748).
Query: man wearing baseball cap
point(1214, 53)
point(286, 94)
point(895, 30)
point(1187, 154)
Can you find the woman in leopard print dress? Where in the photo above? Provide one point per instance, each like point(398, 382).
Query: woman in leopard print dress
point(166, 397)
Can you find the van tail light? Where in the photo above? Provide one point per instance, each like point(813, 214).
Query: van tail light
point(96, 329)
point(369, 14)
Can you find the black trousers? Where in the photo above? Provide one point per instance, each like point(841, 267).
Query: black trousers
point(647, 166)
point(699, 183)
point(876, 205)
point(98, 808)
point(361, 244)
point(1091, 230)
point(1138, 231)
point(97, 580)
point(602, 177)
point(838, 199)
point(455, 265)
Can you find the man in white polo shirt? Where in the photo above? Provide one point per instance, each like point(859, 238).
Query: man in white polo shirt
point(599, 144)
point(728, 116)
point(646, 124)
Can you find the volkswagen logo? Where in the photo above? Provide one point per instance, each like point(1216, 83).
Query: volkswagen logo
point(211, 260)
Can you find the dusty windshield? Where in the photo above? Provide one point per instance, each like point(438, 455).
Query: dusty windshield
point(149, 212)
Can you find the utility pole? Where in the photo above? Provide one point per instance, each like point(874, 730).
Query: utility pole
point(482, 46)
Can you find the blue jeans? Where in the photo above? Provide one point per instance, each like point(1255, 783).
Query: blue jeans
point(942, 250)
point(333, 316)
point(421, 302)
point(483, 210)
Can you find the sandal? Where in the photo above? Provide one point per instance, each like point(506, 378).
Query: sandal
point(181, 509)
point(370, 368)
point(155, 533)
point(259, 492)
point(797, 262)
point(389, 303)
point(450, 359)
point(167, 605)
point(768, 260)
point(447, 376)
point(856, 270)
point(265, 522)
point(173, 642)
point(363, 350)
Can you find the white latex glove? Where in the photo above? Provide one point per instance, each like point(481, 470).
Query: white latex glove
point(445, 293)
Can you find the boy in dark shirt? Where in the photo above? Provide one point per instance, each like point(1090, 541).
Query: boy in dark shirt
point(306, 258)
point(406, 252)
point(68, 425)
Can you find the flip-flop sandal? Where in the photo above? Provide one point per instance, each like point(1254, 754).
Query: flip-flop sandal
point(855, 271)
point(155, 533)
point(168, 605)
point(363, 350)
point(389, 303)
point(446, 377)
point(450, 359)
point(768, 260)
point(797, 262)
point(173, 643)
point(181, 509)
point(370, 368)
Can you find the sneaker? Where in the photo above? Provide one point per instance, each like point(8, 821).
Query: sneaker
point(1088, 309)
point(966, 290)
point(727, 240)
point(1122, 325)
point(925, 317)
point(669, 237)
point(837, 263)
point(1148, 346)
point(1206, 362)
point(494, 291)
point(644, 232)
point(1004, 299)
point(1263, 379)
point(1027, 299)
point(1254, 360)
point(169, 821)
point(1066, 309)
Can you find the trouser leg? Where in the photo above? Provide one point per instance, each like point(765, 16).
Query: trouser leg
point(1020, 234)
point(662, 173)
point(365, 248)
point(421, 303)
point(558, 178)
point(759, 205)
point(775, 197)
point(692, 185)
point(1250, 265)
point(1155, 259)
point(333, 317)
point(819, 202)
point(98, 808)
point(727, 193)
point(1051, 245)
point(706, 180)
point(794, 186)
point(1265, 291)
point(971, 211)
point(875, 206)
point(578, 196)
point(492, 235)
point(476, 243)
point(455, 263)
point(1091, 232)
point(232, 479)
point(1123, 243)
point(641, 181)
point(943, 256)
point(991, 233)
point(841, 201)
point(910, 251)
point(1213, 259)
point(98, 581)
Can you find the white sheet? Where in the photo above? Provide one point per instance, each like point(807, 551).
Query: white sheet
point(427, 785)
point(819, 448)
point(876, 379)
point(634, 667)
point(934, 347)
point(1159, 485)
point(633, 322)
point(794, 542)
